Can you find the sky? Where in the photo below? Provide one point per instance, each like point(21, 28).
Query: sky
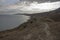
point(22, 6)
point(8, 2)
point(41, 0)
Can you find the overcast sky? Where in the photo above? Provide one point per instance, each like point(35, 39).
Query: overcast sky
point(41, 0)
point(10, 7)
point(7, 2)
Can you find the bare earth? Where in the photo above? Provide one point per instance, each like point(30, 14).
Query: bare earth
point(37, 28)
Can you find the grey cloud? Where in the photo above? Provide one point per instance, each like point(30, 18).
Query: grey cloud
point(40, 0)
point(7, 10)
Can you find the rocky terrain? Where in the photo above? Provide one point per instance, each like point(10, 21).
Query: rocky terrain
point(44, 26)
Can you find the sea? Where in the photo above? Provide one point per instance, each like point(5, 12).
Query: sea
point(12, 21)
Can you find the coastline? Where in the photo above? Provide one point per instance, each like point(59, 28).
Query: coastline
point(37, 28)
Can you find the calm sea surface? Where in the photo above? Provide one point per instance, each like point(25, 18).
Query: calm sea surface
point(11, 21)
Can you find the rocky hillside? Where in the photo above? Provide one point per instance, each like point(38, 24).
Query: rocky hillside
point(37, 28)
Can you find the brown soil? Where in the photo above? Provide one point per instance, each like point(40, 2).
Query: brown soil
point(37, 28)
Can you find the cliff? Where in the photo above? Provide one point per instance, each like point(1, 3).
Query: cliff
point(37, 28)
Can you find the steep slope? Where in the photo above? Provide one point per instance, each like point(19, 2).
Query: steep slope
point(55, 15)
point(37, 28)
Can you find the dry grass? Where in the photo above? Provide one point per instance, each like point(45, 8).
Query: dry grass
point(38, 28)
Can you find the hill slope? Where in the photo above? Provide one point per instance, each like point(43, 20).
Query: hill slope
point(37, 28)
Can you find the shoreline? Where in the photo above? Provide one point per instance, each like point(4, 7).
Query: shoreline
point(37, 28)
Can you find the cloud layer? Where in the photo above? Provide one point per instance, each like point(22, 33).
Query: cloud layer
point(29, 8)
point(40, 0)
